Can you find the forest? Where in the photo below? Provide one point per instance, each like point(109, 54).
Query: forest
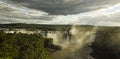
point(24, 46)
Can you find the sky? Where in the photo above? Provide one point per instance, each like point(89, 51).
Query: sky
point(73, 12)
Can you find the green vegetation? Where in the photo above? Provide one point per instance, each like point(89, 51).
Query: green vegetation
point(24, 46)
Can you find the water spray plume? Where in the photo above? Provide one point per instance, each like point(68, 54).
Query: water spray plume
point(80, 40)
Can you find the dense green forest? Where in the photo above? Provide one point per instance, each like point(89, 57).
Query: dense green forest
point(35, 26)
point(24, 46)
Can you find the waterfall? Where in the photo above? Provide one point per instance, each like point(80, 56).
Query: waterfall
point(78, 46)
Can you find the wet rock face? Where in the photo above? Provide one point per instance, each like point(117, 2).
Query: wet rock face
point(105, 45)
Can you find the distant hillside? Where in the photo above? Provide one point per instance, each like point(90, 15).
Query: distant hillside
point(53, 27)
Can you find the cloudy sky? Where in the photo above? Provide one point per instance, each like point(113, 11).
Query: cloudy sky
point(75, 12)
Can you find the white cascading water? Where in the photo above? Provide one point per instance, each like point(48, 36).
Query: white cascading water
point(78, 48)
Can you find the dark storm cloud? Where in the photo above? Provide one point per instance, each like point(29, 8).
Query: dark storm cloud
point(66, 6)
point(101, 13)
